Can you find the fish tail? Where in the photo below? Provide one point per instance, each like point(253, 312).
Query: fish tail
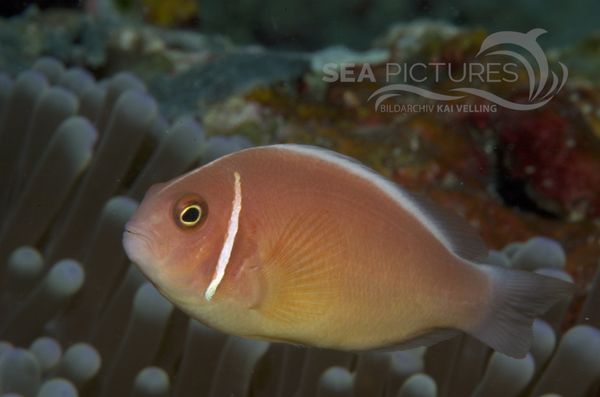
point(517, 298)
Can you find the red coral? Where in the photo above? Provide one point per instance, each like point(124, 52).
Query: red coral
point(543, 149)
point(479, 120)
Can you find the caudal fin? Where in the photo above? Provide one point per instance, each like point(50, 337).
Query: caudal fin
point(518, 297)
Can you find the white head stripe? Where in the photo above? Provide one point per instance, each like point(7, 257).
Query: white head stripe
point(232, 228)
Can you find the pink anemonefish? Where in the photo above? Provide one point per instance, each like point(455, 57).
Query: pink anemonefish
point(299, 244)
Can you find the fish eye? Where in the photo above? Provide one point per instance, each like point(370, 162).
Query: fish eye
point(190, 215)
point(190, 212)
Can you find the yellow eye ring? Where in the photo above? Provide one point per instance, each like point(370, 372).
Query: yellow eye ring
point(190, 211)
point(191, 215)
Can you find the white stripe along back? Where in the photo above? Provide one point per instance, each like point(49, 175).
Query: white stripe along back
point(404, 199)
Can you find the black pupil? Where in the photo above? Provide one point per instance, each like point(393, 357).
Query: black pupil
point(191, 214)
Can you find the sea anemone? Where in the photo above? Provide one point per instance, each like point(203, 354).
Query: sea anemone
point(76, 318)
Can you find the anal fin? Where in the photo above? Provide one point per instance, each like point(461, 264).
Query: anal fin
point(424, 340)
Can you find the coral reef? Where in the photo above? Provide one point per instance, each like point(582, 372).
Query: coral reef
point(102, 44)
point(77, 319)
point(312, 25)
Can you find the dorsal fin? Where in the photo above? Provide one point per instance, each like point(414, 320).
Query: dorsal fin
point(452, 230)
point(462, 237)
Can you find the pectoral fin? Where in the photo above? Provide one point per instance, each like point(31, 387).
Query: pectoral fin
point(299, 268)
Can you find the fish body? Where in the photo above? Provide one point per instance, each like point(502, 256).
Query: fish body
point(303, 245)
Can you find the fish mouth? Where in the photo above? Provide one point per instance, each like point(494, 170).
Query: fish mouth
point(136, 243)
point(140, 248)
point(132, 230)
point(135, 233)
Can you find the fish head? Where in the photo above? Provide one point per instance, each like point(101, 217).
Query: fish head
point(177, 232)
